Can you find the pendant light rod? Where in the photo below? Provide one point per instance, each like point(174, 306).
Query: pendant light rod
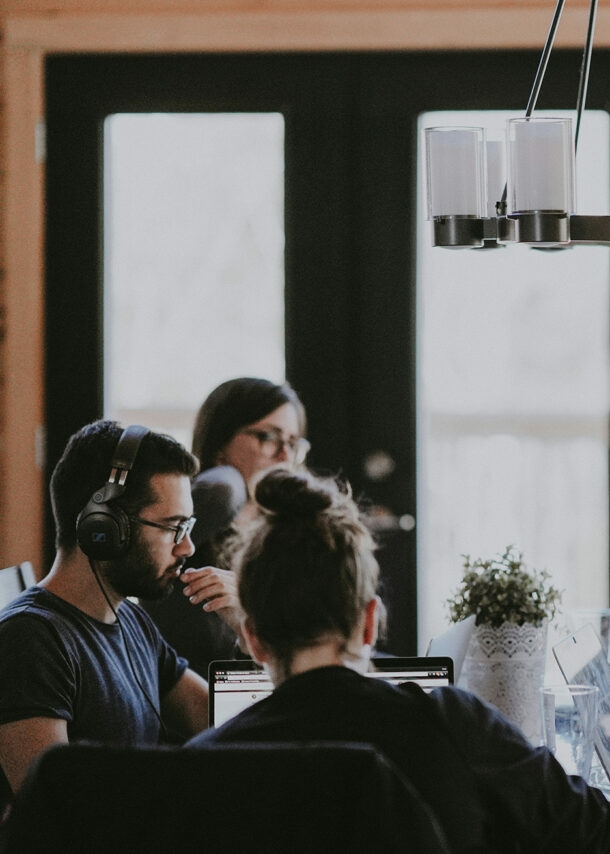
point(537, 85)
point(544, 59)
point(583, 82)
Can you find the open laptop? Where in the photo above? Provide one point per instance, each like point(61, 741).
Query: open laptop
point(454, 642)
point(582, 660)
point(236, 684)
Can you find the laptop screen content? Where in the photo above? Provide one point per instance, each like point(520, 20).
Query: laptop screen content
point(234, 685)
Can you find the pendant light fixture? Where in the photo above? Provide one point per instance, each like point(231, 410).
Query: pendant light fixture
point(537, 206)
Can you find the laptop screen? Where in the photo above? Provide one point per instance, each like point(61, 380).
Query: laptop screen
point(234, 685)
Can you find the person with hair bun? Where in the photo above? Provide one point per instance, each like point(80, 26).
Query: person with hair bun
point(244, 426)
point(307, 581)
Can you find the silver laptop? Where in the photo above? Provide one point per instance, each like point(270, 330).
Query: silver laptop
point(236, 684)
point(454, 642)
point(582, 660)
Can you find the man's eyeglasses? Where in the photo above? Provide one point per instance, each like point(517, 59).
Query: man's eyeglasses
point(180, 531)
point(272, 444)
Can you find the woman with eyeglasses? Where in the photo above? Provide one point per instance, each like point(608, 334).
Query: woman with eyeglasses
point(244, 426)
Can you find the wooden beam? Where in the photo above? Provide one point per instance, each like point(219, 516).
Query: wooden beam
point(21, 487)
point(390, 28)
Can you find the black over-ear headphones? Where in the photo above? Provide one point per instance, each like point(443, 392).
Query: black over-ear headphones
point(102, 528)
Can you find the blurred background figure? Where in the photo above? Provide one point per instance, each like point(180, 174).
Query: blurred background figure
point(244, 426)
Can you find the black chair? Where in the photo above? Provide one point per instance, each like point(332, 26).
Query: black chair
point(10, 584)
point(223, 799)
point(28, 576)
point(14, 580)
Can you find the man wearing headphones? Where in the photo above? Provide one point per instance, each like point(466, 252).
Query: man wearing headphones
point(78, 659)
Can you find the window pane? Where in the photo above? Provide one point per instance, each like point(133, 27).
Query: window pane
point(194, 260)
point(513, 399)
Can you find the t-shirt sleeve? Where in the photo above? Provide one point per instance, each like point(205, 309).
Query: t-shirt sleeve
point(171, 668)
point(36, 676)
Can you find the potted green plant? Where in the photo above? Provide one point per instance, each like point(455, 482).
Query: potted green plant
point(512, 605)
point(503, 589)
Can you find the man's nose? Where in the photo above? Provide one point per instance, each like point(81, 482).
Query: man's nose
point(186, 547)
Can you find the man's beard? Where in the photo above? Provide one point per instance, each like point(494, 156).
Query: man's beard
point(137, 574)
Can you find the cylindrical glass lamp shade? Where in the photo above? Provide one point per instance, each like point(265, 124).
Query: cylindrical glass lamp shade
point(456, 172)
point(540, 165)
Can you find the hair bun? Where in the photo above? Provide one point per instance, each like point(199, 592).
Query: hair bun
point(288, 493)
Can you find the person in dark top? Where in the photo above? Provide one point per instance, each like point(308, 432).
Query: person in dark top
point(243, 427)
point(307, 581)
point(78, 659)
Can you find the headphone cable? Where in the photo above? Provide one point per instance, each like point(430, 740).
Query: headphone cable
point(163, 732)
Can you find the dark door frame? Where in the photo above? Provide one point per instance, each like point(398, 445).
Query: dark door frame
point(351, 176)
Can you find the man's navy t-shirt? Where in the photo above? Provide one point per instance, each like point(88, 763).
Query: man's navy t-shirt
point(57, 662)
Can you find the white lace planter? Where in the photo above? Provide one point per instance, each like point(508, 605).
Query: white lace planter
point(505, 666)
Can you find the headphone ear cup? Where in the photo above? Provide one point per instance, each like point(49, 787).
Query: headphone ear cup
point(103, 530)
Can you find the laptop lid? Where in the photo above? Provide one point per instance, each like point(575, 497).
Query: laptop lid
point(236, 684)
point(582, 660)
point(454, 643)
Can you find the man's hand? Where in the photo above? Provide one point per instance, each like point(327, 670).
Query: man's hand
point(216, 590)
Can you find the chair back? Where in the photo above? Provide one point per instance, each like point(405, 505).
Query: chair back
point(221, 799)
point(28, 576)
point(10, 584)
point(14, 580)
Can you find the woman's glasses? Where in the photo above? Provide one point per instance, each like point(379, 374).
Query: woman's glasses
point(272, 444)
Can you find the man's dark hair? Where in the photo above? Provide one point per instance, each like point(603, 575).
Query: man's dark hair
point(85, 466)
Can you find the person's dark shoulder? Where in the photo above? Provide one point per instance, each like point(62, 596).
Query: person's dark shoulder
point(32, 597)
point(35, 603)
point(251, 724)
point(34, 621)
point(218, 496)
point(476, 722)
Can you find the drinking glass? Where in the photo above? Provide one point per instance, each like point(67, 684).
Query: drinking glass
point(569, 722)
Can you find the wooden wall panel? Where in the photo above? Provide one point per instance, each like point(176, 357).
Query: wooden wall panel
point(109, 7)
point(3, 473)
point(22, 345)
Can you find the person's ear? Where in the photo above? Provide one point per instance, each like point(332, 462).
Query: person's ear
point(256, 648)
point(369, 635)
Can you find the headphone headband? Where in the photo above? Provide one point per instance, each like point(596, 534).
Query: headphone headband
point(125, 453)
point(102, 529)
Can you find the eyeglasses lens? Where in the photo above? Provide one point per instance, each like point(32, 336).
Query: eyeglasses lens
point(183, 529)
point(272, 444)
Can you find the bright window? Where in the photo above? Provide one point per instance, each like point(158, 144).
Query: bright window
point(513, 399)
point(193, 258)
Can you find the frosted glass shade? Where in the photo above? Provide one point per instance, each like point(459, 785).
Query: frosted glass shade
point(540, 165)
point(456, 172)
